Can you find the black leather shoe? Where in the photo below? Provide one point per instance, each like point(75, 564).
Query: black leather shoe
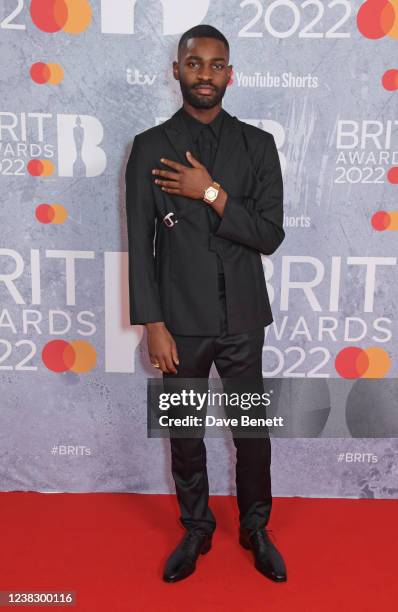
point(268, 559)
point(182, 561)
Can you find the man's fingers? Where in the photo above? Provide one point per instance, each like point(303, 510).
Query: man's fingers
point(177, 191)
point(153, 359)
point(163, 365)
point(166, 173)
point(169, 363)
point(172, 184)
point(193, 160)
point(174, 354)
point(166, 363)
point(172, 164)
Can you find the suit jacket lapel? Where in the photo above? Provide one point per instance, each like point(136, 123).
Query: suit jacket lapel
point(179, 136)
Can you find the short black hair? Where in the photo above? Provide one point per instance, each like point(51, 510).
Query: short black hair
point(202, 30)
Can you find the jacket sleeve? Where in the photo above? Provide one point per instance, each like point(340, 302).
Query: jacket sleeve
point(145, 305)
point(258, 223)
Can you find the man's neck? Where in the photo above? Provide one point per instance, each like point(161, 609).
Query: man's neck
point(205, 115)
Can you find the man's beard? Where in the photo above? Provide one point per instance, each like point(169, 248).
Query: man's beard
point(198, 101)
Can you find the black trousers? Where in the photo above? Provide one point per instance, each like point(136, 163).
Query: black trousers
point(234, 355)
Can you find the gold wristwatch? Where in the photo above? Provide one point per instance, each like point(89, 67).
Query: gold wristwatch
point(210, 194)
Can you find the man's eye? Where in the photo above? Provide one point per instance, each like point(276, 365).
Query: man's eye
point(219, 66)
point(192, 63)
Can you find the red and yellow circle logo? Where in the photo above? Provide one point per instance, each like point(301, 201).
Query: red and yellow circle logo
point(51, 213)
point(355, 362)
point(378, 18)
point(76, 356)
point(383, 220)
point(389, 80)
point(392, 175)
point(70, 16)
point(40, 167)
point(42, 73)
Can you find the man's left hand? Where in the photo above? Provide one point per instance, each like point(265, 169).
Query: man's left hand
point(184, 181)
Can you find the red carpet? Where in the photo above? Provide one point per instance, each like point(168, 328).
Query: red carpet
point(110, 548)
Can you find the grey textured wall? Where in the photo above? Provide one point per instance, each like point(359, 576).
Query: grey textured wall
point(72, 371)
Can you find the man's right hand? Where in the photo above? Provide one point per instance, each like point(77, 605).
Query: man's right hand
point(162, 348)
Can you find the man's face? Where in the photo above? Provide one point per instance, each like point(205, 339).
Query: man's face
point(203, 71)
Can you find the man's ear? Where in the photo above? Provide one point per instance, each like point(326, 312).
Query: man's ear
point(176, 71)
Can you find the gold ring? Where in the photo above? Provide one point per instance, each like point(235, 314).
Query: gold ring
point(156, 365)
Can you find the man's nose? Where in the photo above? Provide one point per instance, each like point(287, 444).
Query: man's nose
point(205, 73)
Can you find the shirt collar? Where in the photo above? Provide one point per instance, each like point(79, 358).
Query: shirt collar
point(195, 126)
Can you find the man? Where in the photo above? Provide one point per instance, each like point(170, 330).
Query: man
point(208, 188)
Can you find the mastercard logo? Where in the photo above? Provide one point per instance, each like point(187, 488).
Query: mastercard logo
point(51, 213)
point(392, 175)
point(378, 18)
point(77, 356)
point(40, 167)
point(70, 16)
point(354, 362)
point(389, 80)
point(383, 220)
point(42, 73)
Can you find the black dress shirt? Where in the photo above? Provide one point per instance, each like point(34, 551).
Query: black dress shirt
point(205, 137)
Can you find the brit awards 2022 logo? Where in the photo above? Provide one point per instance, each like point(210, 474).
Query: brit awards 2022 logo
point(43, 145)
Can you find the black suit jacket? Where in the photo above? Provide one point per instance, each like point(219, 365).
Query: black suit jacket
point(173, 270)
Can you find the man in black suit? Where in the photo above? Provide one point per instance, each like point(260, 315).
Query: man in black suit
point(208, 189)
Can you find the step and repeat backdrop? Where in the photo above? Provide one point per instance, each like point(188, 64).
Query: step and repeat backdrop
point(78, 80)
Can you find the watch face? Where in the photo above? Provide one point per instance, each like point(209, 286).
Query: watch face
point(211, 193)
